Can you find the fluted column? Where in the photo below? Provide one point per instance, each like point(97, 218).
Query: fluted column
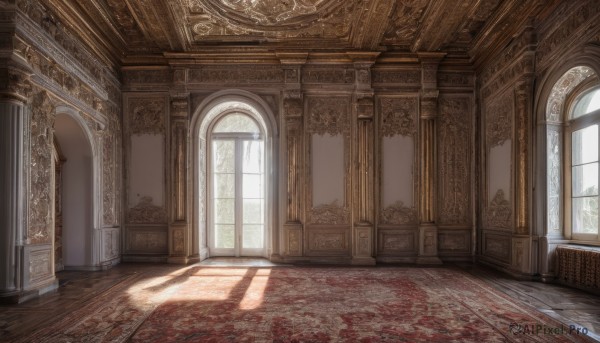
point(428, 233)
point(14, 122)
point(522, 92)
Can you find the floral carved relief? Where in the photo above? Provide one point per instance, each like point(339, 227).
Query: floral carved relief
point(499, 120)
point(332, 214)
point(499, 212)
point(41, 145)
point(455, 160)
point(146, 212)
point(398, 116)
point(328, 116)
point(398, 214)
point(108, 173)
point(147, 116)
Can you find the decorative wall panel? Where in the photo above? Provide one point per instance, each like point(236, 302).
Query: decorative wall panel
point(397, 184)
point(146, 175)
point(147, 241)
point(322, 241)
point(454, 160)
point(40, 188)
point(499, 131)
point(329, 134)
point(497, 247)
point(398, 242)
point(454, 241)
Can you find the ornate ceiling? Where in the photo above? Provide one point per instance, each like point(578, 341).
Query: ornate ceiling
point(146, 27)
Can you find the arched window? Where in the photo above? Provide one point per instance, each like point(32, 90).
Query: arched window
point(582, 152)
point(237, 186)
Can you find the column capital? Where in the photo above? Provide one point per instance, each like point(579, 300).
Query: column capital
point(16, 83)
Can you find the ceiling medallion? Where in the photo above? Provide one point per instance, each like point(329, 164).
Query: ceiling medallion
point(271, 15)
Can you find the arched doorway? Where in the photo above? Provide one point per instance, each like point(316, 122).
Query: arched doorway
point(74, 191)
point(235, 168)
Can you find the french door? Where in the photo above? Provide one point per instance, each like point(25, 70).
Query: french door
point(238, 195)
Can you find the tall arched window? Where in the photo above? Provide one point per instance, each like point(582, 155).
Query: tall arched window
point(582, 151)
point(237, 186)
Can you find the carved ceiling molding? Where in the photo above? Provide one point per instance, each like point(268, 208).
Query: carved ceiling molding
point(567, 33)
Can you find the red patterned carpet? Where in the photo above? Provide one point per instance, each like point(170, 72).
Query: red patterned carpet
point(305, 304)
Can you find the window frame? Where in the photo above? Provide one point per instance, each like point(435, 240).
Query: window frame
point(572, 125)
point(238, 138)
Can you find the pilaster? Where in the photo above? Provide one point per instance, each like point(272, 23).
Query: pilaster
point(428, 231)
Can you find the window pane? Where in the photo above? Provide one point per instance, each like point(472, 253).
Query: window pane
point(253, 186)
point(585, 215)
point(585, 179)
point(223, 156)
point(236, 123)
point(253, 157)
point(253, 211)
point(224, 186)
point(590, 102)
point(224, 211)
point(253, 237)
point(585, 145)
point(224, 236)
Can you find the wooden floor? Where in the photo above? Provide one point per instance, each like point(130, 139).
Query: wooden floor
point(569, 306)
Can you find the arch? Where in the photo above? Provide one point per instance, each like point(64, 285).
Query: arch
point(551, 98)
point(215, 105)
point(81, 201)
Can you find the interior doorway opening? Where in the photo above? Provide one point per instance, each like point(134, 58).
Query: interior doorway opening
point(73, 195)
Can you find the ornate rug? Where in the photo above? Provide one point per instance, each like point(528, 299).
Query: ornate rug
point(307, 304)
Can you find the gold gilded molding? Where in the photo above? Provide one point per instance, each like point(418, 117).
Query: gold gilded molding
point(522, 122)
point(365, 171)
point(179, 156)
point(294, 173)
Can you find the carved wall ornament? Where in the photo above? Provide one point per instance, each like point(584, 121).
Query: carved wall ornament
point(293, 107)
point(499, 120)
point(364, 108)
point(179, 107)
point(109, 180)
point(398, 116)
point(398, 214)
point(328, 116)
point(147, 116)
point(146, 76)
point(554, 182)
point(325, 241)
point(394, 76)
point(511, 74)
point(41, 146)
point(499, 212)
point(332, 214)
point(455, 140)
point(146, 212)
point(17, 83)
point(562, 88)
point(328, 75)
point(237, 74)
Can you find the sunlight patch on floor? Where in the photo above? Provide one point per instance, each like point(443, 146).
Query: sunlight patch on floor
point(256, 291)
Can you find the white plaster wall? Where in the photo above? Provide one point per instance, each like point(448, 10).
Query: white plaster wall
point(499, 170)
point(77, 192)
point(147, 175)
point(397, 170)
point(327, 169)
